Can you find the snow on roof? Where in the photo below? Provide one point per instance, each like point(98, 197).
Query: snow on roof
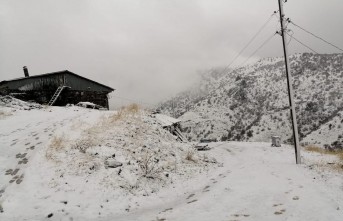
point(165, 120)
point(54, 73)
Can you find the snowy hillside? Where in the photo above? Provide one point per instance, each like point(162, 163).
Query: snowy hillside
point(250, 103)
point(53, 151)
point(71, 163)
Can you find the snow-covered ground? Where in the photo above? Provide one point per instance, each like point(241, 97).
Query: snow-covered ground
point(54, 160)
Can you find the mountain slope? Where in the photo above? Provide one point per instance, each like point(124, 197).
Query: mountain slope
point(251, 103)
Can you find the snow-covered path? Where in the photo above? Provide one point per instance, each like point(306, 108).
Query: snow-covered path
point(253, 182)
point(256, 182)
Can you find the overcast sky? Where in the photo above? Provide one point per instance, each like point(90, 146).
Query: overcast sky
point(150, 49)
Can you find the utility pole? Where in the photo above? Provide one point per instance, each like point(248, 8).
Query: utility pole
point(289, 84)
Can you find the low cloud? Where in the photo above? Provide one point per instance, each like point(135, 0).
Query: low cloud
point(148, 50)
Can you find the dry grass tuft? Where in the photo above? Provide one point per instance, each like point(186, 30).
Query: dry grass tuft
point(57, 143)
point(124, 112)
point(340, 155)
point(190, 154)
point(133, 108)
point(92, 136)
point(313, 148)
point(117, 116)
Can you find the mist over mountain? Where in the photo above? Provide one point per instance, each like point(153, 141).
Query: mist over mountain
point(251, 103)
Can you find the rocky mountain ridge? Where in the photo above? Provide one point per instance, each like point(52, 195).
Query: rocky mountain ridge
point(251, 103)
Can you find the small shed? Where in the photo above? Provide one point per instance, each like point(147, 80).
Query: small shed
point(276, 141)
point(166, 121)
point(57, 88)
point(171, 124)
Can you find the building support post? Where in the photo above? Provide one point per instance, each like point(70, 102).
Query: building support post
point(289, 84)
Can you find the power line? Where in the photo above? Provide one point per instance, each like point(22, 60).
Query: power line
point(315, 35)
point(251, 40)
point(261, 46)
point(303, 44)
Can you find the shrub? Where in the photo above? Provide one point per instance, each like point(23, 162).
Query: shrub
point(337, 145)
point(223, 138)
point(149, 166)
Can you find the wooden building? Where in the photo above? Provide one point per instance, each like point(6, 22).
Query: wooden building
point(57, 88)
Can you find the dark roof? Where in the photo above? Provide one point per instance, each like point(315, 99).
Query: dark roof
point(53, 73)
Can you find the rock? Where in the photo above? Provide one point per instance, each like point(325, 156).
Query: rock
point(112, 163)
point(50, 215)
